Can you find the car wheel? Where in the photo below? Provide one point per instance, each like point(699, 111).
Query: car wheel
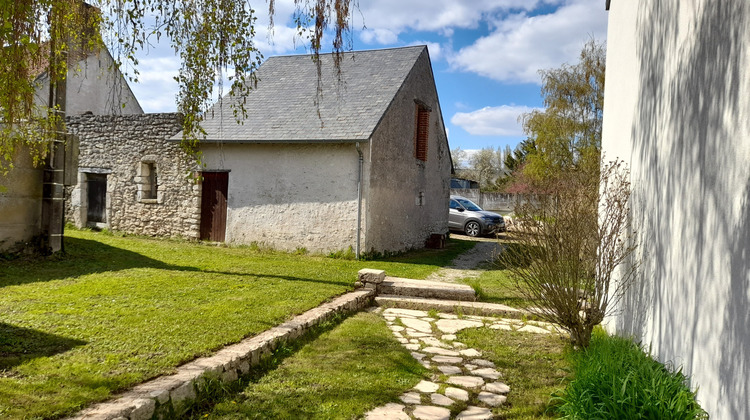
point(472, 228)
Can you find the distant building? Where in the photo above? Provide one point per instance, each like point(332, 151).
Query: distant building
point(460, 183)
point(366, 158)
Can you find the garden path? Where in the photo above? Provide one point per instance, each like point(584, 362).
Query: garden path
point(460, 378)
point(467, 265)
point(462, 385)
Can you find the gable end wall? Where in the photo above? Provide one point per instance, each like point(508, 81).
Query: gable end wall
point(397, 181)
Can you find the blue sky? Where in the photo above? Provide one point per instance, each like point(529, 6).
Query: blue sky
point(485, 55)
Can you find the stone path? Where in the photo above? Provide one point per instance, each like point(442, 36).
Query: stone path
point(459, 375)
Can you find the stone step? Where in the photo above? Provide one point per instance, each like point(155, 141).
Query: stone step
point(464, 307)
point(426, 289)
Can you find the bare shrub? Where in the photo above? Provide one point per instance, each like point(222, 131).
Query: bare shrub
point(576, 235)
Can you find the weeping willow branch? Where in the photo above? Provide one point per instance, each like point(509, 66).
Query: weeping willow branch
point(212, 38)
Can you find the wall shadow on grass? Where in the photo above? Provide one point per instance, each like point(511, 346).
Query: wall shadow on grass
point(19, 345)
point(84, 257)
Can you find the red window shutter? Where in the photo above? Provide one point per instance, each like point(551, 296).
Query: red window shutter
point(423, 134)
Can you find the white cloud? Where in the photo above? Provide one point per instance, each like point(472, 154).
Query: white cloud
point(156, 87)
point(378, 36)
point(492, 121)
point(521, 45)
point(277, 41)
point(434, 48)
point(441, 16)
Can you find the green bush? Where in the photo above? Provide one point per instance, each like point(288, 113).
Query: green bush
point(615, 378)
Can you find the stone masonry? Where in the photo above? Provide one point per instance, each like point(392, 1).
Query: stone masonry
point(133, 153)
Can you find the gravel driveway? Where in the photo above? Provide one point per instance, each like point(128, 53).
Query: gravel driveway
point(467, 265)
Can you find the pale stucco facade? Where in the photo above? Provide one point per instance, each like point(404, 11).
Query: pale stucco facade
point(677, 110)
point(95, 85)
point(20, 203)
point(289, 196)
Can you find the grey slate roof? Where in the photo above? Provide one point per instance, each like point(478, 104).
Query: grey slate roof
point(282, 107)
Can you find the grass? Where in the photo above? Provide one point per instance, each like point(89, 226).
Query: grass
point(342, 374)
point(615, 378)
point(496, 286)
point(533, 365)
point(115, 311)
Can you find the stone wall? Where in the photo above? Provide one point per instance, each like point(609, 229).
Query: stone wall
point(127, 149)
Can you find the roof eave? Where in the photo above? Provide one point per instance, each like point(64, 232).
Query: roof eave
point(277, 141)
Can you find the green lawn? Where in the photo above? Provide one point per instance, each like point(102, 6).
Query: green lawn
point(533, 365)
point(496, 286)
point(342, 374)
point(116, 311)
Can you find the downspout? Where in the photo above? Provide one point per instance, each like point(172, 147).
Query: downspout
point(359, 199)
point(53, 194)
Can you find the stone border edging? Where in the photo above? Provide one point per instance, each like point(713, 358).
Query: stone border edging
point(452, 306)
point(173, 392)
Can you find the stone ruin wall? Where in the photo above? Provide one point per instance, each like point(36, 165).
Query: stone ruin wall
point(120, 147)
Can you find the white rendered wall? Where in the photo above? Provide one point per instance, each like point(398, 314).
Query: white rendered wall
point(289, 196)
point(20, 203)
point(677, 109)
point(94, 85)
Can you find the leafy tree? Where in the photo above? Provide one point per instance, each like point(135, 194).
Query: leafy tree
point(514, 181)
point(458, 157)
point(567, 133)
point(487, 166)
point(576, 227)
point(515, 160)
point(483, 166)
point(211, 37)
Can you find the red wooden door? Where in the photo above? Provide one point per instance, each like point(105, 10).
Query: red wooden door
point(214, 206)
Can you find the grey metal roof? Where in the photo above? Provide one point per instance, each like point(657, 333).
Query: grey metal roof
point(282, 107)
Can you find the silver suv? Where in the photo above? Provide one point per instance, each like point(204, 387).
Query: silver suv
point(466, 216)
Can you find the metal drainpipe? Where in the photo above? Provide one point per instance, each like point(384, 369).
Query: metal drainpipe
point(359, 199)
point(53, 193)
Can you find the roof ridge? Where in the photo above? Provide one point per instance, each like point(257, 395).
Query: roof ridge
point(351, 51)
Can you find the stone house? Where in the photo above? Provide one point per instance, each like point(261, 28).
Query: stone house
point(359, 161)
point(677, 110)
point(130, 178)
point(94, 86)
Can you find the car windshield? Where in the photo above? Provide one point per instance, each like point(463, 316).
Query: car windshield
point(468, 205)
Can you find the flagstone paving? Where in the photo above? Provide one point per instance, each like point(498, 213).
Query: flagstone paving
point(460, 375)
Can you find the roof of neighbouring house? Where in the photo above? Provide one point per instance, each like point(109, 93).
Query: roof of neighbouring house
point(282, 108)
